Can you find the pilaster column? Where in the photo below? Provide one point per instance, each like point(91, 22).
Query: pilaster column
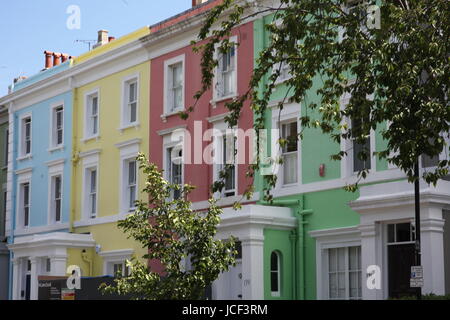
point(432, 248)
point(34, 279)
point(369, 258)
point(58, 265)
point(16, 278)
point(253, 268)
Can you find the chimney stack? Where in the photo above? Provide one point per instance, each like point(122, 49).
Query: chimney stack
point(111, 39)
point(197, 2)
point(101, 39)
point(48, 59)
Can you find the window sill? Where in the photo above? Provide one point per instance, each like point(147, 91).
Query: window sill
point(26, 157)
point(216, 100)
point(124, 127)
point(85, 140)
point(170, 114)
point(57, 148)
point(290, 185)
point(281, 81)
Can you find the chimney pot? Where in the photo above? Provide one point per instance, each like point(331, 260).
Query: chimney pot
point(56, 59)
point(64, 57)
point(111, 39)
point(48, 59)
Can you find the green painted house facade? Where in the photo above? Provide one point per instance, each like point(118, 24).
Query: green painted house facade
point(341, 237)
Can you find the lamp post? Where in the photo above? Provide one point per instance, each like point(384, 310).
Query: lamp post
point(417, 218)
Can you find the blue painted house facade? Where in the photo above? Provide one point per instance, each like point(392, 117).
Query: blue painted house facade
point(38, 181)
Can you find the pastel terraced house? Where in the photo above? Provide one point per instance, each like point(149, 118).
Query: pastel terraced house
point(110, 123)
point(46, 228)
point(38, 179)
point(339, 236)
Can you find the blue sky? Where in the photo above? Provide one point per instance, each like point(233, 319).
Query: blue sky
point(28, 27)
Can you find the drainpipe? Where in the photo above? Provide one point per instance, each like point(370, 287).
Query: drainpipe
point(301, 214)
point(74, 157)
point(299, 249)
point(293, 239)
point(84, 256)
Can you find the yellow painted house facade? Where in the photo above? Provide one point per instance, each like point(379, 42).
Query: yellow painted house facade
point(110, 127)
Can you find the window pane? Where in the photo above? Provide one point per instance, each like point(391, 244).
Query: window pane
point(289, 132)
point(359, 164)
point(354, 284)
point(93, 180)
point(132, 172)
point(133, 112)
point(132, 197)
point(290, 166)
point(341, 259)
point(26, 194)
point(341, 285)
point(403, 232)
point(93, 204)
point(353, 256)
point(94, 106)
point(177, 97)
point(274, 281)
point(333, 286)
point(132, 92)
point(58, 210)
point(391, 233)
point(428, 161)
point(332, 260)
point(177, 75)
point(274, 261)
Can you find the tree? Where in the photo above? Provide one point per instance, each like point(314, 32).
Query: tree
point(396, 74)
point(181, 239)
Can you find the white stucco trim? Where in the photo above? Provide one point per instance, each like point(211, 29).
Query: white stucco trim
point(248, 226)
point(381, 204)
point(332, 238)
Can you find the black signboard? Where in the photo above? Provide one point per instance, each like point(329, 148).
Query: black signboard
point(55, 288)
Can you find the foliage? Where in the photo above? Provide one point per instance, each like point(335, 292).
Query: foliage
point(397, 74)
point(177, 236)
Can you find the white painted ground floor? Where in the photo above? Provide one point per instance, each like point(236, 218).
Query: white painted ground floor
point(345, 257)
point(381, 249)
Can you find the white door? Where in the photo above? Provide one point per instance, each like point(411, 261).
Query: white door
point(235, 277)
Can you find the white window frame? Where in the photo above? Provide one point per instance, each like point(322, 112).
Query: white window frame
point(285, 67)
point(88, 124)
point(90, 162)
point(347, 168)
point(168, 80)
point(125, 110)
point(129, 151)
point(332, 239)
point(345, 8)
point(55, 169)
point(278, 272)
point(220, 131)
point(167, 169)
point(283, 154)
point(53, 138)
point(23, 177)
point(217, 89)
point(290, 113)
point(110, 258)
point(22, 136)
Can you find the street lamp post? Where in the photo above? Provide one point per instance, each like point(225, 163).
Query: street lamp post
point(417, 218)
